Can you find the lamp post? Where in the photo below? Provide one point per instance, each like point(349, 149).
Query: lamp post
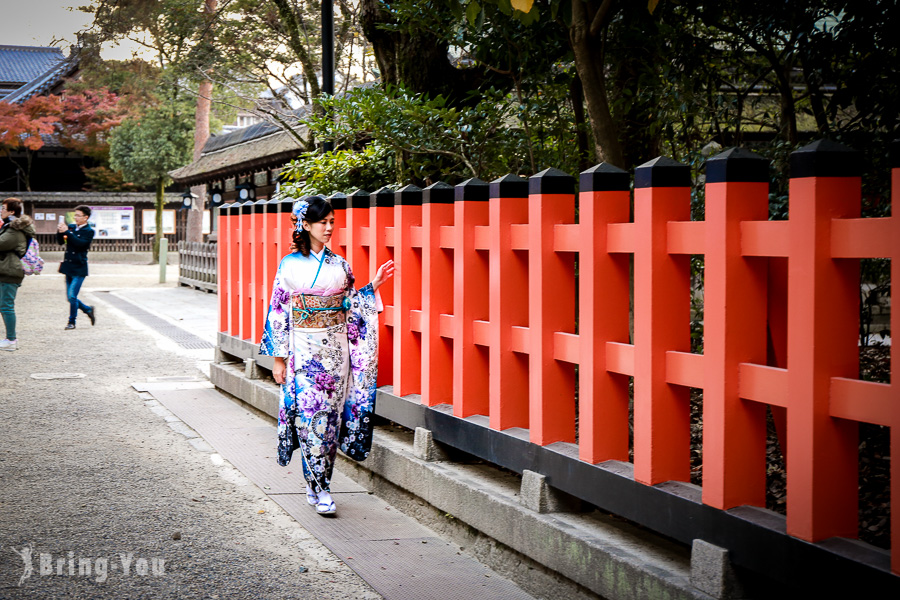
point(246, 191)
point(328, 55)
point(215, 201)
point(187, 199)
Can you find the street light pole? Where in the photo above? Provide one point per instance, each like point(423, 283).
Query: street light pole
point(328, 55)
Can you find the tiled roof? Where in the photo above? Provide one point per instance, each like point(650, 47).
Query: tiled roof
point(273, 149)
point(94, 198)
point(246, 134)
point(45, 81)
point(21, 64)
point(256, 147)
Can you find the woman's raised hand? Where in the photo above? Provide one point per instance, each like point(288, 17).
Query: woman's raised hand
point(385, 272)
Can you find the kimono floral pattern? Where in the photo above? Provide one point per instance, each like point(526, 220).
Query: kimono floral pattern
point(322, 400)
point(359, 406)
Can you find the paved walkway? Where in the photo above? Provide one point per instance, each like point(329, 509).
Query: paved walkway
point(135, 461)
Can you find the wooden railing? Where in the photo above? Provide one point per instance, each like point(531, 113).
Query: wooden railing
point(197, 266)
point(486, 314)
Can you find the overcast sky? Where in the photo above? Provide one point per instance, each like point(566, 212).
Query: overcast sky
point(48, 23)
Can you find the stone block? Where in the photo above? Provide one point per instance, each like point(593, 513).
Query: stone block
point(713, 573)
point(536, 495)
point(252, 369)
point(425, 448)
point(221, 357)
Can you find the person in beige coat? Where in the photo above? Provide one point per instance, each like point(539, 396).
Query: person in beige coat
point(15, 234)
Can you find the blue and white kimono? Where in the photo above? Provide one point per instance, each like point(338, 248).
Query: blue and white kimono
point(328, 397)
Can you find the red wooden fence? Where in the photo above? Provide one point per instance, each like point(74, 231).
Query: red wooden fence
point(482, 315)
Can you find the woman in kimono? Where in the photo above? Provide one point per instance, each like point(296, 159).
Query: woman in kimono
point(323, 335)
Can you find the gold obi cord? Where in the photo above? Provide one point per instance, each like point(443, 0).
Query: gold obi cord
point(317, 311)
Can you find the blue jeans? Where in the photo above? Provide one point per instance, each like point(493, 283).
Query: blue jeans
point(8, 307)
point(73, 286)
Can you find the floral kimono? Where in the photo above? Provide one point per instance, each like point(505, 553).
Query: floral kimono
point(327, 332)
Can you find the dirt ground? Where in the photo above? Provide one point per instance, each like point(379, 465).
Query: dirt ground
point(92, 480)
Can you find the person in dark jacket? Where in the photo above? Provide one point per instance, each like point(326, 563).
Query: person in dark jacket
point(77, 237)
point(16, 232)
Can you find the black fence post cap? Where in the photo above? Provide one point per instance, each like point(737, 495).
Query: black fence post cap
point(509, 186)
point(382, 197)
point(825, 158)
point(551, 181)
point(286, 205)
point(358, 199)
point(338, 200)
point(408, 195)
point(662, 171)
point(259, 206)
point(472, 189)
point(247, 207)
point(895, 154)
point(438, 193)
point(737, 164)
point(604, 178)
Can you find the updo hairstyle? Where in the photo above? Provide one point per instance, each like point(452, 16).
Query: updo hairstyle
point(319, 208)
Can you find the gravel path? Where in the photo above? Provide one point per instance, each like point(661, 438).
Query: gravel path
point(89, 474)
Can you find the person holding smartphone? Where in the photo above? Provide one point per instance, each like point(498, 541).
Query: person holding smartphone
point(16, 231)
point(77, 237)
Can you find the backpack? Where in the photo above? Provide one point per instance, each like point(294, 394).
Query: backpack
point(32, 263)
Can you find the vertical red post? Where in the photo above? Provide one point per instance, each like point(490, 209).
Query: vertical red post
point(551, 308)
point(271, 258)
point(357, 220)
point(285, 232)
point(437, 295)
point(338, 244)
point(823, 309)
point(407, 286)
point(256, 284)
point(508, 205)
point(246, 264)
point(381, 216)
point(734, 331)
point(661, 323)
point(895, 326)
point(470, 303)
point(237, 240)
point(604, 291)
point(223, 249)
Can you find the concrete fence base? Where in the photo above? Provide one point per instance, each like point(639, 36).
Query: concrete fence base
point(517, 525)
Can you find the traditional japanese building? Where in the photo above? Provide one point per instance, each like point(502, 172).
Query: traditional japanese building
point(241, 165)
point(124, 221)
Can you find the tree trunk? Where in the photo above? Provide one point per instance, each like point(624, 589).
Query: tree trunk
point(29, 158)
point(584, 153)
point(416, 59)
point(201, 134)
point(788, 109)
point(589, 64)
point(289, 20)
point(160, 204)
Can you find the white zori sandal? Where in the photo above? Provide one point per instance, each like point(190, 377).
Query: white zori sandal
point(326, 505)
point(311, 496)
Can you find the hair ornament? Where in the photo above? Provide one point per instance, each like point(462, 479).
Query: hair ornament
point(299, 211)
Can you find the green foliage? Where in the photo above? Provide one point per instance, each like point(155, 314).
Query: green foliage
point(144, 149)
point(432, 140)
point(338, 171)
